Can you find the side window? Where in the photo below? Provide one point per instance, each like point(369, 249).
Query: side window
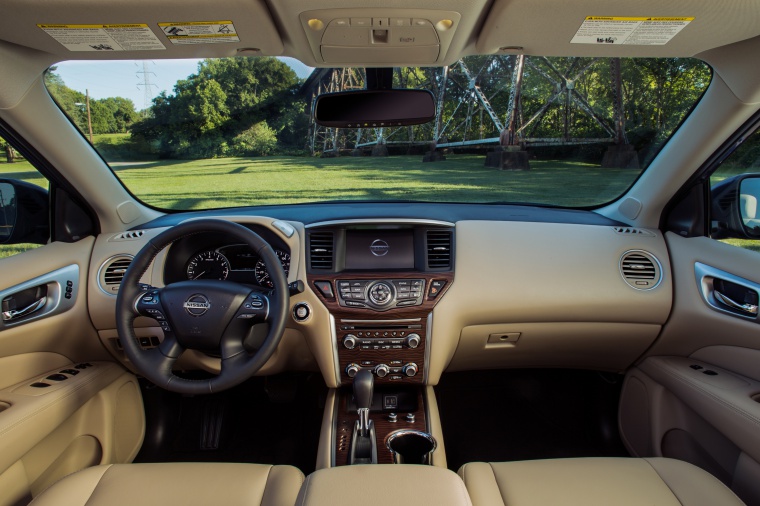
point(19, 185)
point(735, 188)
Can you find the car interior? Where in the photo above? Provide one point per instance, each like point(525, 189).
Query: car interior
point(343, 350)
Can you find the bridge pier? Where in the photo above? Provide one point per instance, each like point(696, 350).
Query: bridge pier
point(621, 156)
point(508, 158)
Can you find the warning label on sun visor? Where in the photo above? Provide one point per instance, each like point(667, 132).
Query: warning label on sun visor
point(104, 37)
point(641, 31)
point(200, 32)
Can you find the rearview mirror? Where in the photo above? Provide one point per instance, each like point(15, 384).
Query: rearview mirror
point(374, 108)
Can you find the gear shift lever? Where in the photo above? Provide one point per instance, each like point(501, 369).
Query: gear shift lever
point(363, 444)
point(364, 383)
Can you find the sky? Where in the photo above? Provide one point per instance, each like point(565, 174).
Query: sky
point(124, 78)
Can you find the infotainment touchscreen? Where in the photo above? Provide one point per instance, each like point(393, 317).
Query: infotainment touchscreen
point(379, 249)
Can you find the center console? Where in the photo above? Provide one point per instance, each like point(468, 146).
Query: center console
point(380, 281)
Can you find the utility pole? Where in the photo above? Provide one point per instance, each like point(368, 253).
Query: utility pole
point(89, 117)
point(147, 87)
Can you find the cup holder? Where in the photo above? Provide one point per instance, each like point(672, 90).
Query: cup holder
point(411, 446)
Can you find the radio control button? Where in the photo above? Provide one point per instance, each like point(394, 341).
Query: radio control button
point(413, 340)
point(349, 341)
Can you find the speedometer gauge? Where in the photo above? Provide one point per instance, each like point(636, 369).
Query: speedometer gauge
point(262, 276)
point(208, 265)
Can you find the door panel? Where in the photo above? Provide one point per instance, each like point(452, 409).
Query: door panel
point(695, 394)
point(85, 415)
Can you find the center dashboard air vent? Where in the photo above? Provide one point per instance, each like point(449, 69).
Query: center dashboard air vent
point(439, 249)
point(112, 273)
point(321, 248)
point(641, 270)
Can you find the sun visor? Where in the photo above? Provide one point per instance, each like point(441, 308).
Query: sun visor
point(380, 36)
point(645, 28)
point(105, 29)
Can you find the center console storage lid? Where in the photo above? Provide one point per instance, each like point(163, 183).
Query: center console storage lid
point(379, 485)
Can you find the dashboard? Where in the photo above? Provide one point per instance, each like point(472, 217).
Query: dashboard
point(411, 298)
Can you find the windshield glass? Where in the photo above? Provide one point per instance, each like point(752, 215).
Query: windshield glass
point(200, 134)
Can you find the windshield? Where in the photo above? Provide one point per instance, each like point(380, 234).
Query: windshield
point(201, 134)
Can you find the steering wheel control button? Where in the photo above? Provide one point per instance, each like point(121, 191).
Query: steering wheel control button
point(301, 312)
point(325, 288)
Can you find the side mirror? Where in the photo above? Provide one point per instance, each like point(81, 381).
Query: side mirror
point(24, 213)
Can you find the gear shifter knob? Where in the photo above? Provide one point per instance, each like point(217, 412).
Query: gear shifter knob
point(364, 384)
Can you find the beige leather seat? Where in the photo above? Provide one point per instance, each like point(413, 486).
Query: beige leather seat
point(187, 484)
point(594, 482)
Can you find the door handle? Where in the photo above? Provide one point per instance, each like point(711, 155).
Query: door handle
point(750, 309)
point(14, 314)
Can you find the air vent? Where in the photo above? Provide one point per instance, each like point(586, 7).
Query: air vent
point(640, 270)
point(439, 249)
point(321, 250)
point(128, 235)
point(112, 273)
point(632, 231)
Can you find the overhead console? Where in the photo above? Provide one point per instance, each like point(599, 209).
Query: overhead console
point(380, 282)
point(379, 36)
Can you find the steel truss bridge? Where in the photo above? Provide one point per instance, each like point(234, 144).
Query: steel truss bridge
point(483, 105)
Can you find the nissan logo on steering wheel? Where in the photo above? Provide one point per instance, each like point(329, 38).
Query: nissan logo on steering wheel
point(197, 305)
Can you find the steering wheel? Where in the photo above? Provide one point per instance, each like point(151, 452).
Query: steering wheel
point(205, 315)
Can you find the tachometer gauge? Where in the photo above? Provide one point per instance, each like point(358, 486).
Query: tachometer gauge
point(262, 276)
point(208, 265)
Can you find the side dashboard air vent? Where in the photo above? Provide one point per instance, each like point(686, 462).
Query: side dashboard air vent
point(641, 270)
point(112, 273)
point(439, 249)
point(632, 231)
point(321, 248)
point(128, 235)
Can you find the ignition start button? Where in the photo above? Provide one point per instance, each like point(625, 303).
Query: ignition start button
point(301, 312)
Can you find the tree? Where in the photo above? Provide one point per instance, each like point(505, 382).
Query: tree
point(216, 111)
point(108, 115)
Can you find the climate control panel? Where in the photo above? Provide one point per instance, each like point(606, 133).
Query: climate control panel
point(393, 350)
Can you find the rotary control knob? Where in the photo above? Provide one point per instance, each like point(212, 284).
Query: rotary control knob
point(410, 369)
point(413, 340)
point(352, 369)
point(380, 293)
point(382, 370)
point(349, 341)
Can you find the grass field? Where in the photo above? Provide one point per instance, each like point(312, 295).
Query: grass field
point(203, 184)
point(230, 182)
